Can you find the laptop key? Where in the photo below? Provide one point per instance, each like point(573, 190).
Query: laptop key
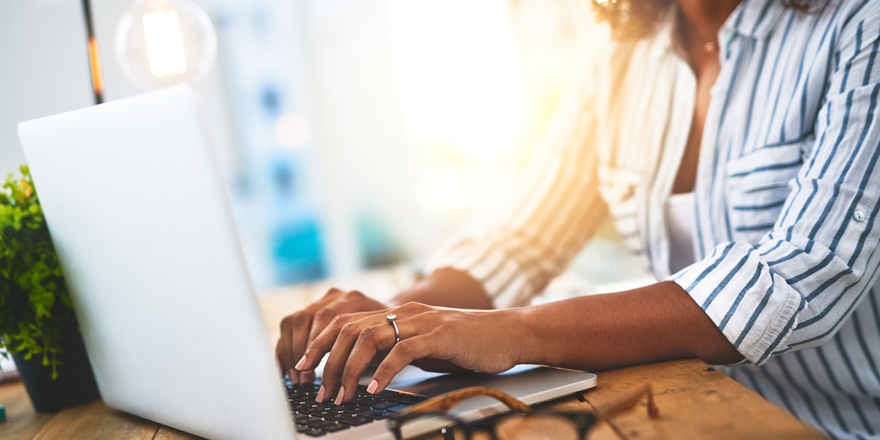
point(333, 426)
point(385, 405)
point(390, 395)
point(376, 414)
point(307, 422)
point(330, 414)
point(354, 420)
point(314, 432)
point(315, 422)
point(339, 414)
point(309, 409)
point(352, 407)
point(366, 401)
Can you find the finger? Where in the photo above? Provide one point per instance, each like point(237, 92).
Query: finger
point(301, 326)
point(321, 344)
point(370, 341)
point(331, 306)
point(404, 352)
point(341, 348)
point(295, 336)
point(307, 376)
point(284, 348)
point(345, 302)
point(326, 315)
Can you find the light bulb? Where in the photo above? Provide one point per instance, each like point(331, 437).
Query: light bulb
point(165, 42)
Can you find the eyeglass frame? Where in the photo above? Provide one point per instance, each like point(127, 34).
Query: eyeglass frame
point(582, 420)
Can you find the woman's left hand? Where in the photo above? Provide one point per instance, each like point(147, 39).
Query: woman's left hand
point(484, 340)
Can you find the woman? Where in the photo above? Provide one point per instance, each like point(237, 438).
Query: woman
point(735, 146)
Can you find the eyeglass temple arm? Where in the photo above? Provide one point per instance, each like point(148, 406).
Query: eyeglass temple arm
point(445, 402)
point(630, 402)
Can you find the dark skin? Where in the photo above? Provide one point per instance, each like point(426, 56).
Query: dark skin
point(703, 20)
point(445, 322)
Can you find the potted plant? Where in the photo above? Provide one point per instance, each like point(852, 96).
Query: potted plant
point(37, 323)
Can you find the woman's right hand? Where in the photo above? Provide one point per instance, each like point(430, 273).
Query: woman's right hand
point(300, 328)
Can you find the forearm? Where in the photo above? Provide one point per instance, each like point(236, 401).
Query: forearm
point(649, 324)
point(446, 288)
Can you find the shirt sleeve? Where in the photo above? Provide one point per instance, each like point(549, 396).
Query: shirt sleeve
point(806, 277)
point(557, 207)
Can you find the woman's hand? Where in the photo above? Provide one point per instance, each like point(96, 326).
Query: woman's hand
point(487, 341)
point(300, 328)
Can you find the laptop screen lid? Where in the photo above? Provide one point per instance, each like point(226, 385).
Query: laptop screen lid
point(144, 230)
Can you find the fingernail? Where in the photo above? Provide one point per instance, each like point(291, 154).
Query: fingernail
point(373, 387)
point(340, 396)
point(320, 397)
point(299, 365)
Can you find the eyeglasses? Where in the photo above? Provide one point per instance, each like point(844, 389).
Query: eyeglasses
point(522, 423)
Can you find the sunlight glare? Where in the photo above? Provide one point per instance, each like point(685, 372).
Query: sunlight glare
point(458, 73)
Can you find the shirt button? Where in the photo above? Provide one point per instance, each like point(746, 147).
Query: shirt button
point(859, 216)
point(728, 35)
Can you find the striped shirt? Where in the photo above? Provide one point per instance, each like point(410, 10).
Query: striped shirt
point(786, 196)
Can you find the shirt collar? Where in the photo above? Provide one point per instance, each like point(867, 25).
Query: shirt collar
point(754, 18)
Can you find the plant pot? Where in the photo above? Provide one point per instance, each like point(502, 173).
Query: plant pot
point(75, 383)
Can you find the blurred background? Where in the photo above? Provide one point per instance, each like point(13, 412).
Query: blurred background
point(353, 134)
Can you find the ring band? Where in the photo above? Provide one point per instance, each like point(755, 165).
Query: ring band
point(392, 319)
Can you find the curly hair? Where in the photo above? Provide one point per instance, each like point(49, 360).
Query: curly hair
point(635, 19)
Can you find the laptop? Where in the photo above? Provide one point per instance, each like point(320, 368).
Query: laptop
point(144, 229)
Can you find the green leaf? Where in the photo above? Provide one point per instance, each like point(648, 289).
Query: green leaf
point(35, 307)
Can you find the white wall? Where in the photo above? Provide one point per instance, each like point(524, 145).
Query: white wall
point(43, 67)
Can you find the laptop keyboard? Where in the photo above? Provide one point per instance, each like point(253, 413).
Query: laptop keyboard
point(317, 419)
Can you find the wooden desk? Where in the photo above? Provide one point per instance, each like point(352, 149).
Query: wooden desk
point(694, 400)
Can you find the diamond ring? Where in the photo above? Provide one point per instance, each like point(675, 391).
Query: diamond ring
point(392, 319)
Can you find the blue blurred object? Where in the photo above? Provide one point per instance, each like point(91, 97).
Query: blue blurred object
point(274, 193)
point(297, 252)
point(378, 247)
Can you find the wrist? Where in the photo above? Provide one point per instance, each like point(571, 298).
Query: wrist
point(522, 335)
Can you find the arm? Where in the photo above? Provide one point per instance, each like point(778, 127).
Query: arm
point(654, 323)
point(649, 324)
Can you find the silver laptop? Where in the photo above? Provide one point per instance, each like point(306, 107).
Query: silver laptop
point(142, 222)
